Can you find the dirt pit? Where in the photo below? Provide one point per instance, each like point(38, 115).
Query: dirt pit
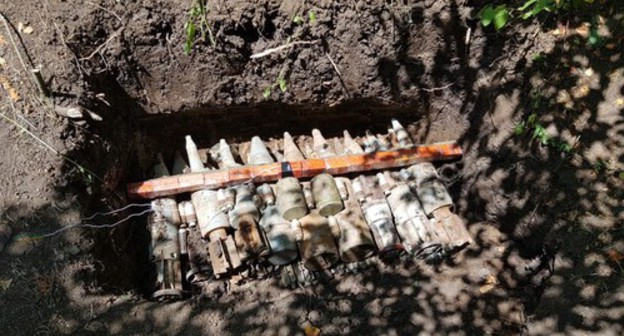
point(546, 218)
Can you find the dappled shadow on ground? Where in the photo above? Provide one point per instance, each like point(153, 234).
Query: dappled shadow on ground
point(546, 218)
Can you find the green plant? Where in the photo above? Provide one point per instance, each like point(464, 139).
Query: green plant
point(539, 133)
point(500, 15)
point(197, 18)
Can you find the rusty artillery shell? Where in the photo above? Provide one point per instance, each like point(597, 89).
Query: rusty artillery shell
point(355, 242)
point(291, 151)
point(223, 254)
point(279, 235)
point(326, 195)
point(209, 217)
point(165, 249)
point(258, 153)
point(290, 199)
point(318, 250)
point(179, 165)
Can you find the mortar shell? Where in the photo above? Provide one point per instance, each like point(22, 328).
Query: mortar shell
point(165, 250)
point(179, 165)
point(290, 199)
point(410, 220)
point(326, 195)
point(318, 250)
point(249, 240)
point(279, 235)
point(209, 217)
point(430, 190)
point(187, 213)
point(379, 218)
point(226, 198)
point(320, 145)
point(355, 242)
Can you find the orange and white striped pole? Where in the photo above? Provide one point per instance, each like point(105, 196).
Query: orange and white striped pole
point(337, 165)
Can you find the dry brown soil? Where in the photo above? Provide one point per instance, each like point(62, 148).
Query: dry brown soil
point(547, 223)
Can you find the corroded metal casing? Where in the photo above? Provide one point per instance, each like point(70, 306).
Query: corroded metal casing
point(355, 242)
point(209, 217)
point(197, 269)
point(244, 218)
point(350, 145)
point(401, 134)
point(326, 195)
point(193, 155)
point(290, 200)
point(224, 256)
point(165, 249)
point(226, 197)
point(320, 145)
point(279, 235)
point(317, 247)
point(379, 219)
point(429, 188)
point(308, 196)
point(411, 222)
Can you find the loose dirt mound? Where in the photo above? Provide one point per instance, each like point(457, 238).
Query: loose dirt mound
point(331, 66)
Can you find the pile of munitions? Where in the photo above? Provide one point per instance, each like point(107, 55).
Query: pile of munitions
point(261, 216)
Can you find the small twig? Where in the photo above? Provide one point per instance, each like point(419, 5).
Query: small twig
point(333, 64)
point(437, 88)
point(339, 74)
point(101, 46)
point(282, 47)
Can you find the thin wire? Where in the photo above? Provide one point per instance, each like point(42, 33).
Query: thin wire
point(116, 211)
point(95, 226)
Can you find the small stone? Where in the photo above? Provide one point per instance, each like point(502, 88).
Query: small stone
point(29, 30)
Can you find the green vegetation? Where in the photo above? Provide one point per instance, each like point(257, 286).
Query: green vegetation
point(197, 18)
point(500, 15)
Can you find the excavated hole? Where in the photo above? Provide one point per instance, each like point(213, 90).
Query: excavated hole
point(122, 254)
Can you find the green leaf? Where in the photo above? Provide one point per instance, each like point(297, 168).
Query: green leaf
point(594, 38)
point(311, 17)
point(298, 19)
point(487, 14)
point(267, 92)
point(621, 175)
point(526, 5)
point(190, 36)
point(519, 129)
point(532, 118)
point(501, 17)
point(282, 84)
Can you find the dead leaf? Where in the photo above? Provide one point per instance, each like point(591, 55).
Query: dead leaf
point(583, 29)
point(489, 283)
point(29, 30)
point(311, 330)
point(619, 102)
point(615, 255)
